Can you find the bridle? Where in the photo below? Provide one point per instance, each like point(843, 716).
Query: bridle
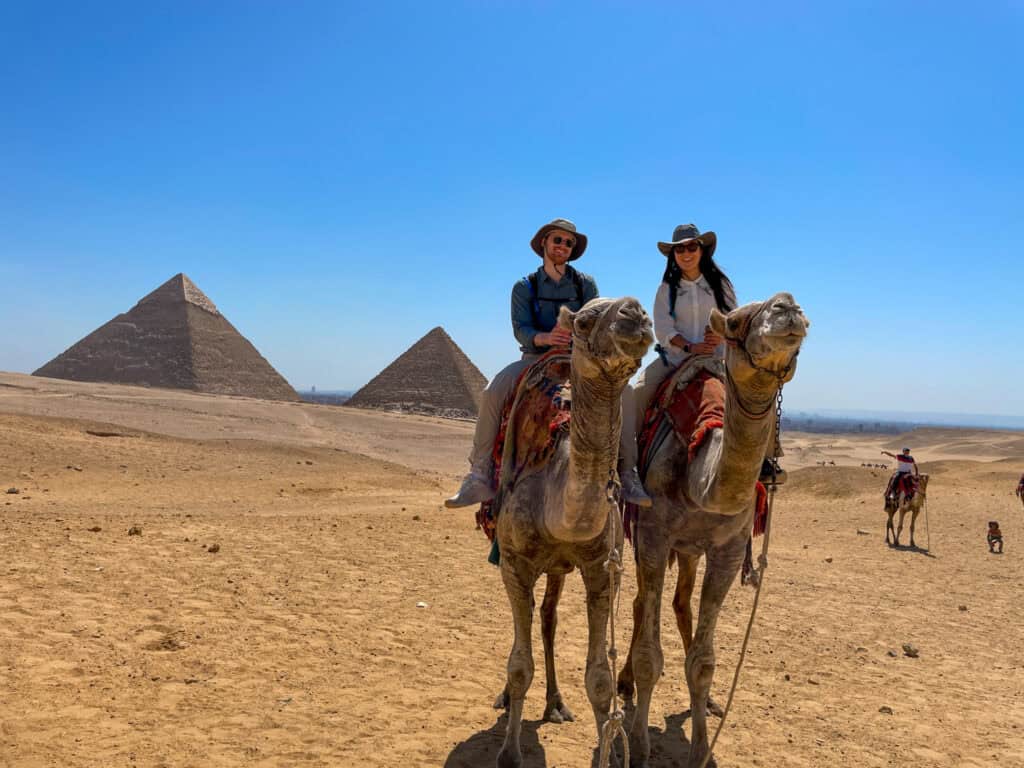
point(740, 342)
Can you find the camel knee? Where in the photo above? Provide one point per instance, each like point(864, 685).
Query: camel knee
point(700, 670)
point(520, 673)
point(599, 684)
point(648, 665)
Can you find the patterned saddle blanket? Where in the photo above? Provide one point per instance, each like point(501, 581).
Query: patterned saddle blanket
point(690, 403)
point(901, 483)
point(534, 419)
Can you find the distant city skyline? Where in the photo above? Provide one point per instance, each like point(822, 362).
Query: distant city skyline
point(340, 178)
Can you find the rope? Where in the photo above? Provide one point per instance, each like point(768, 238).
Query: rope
point(927, 528)
point(762, 562)
point(613, 726)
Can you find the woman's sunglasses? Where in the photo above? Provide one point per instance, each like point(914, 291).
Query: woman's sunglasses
point(687, 247)
point(558, 240)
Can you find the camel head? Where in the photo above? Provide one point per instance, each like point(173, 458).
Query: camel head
point(764, 339)
point(610, 336)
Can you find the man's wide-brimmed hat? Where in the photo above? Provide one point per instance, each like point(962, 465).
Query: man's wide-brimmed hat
point(684, 233)
point(537, 242)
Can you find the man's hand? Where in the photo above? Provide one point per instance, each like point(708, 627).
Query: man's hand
point(557, 337)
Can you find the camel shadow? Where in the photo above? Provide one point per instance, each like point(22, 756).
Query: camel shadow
point(669, 746)
point(914, 549)
point(481, 749)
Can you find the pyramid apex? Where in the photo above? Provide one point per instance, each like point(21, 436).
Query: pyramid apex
point(181, 288)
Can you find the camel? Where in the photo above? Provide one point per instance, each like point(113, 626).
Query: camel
point(557, 518)
point(705, 507)
point(914, 506)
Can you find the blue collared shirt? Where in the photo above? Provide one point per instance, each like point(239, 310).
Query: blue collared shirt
point(551, 296)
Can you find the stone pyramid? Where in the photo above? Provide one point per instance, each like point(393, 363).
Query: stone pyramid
point(433, 377)
point(175, 337)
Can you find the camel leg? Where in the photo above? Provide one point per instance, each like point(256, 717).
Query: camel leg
point(648, 660)
point(899, 528)
point(519, 582)
point(555, 710)
point(890, 510)
point(684, 612)
point(625, 686)
point(598, 676)
point(723, 564)
point(913, 519)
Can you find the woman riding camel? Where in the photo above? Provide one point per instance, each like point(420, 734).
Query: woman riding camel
point(692, 285)
point(536, 301)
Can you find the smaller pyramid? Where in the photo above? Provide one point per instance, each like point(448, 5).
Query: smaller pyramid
point(432, 377)
point(174, 337)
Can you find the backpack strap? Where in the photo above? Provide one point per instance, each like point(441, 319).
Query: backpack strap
point(532, 283)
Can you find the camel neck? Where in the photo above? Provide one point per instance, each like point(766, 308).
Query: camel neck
point(593, 449)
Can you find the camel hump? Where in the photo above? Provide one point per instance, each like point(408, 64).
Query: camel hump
point(534, 417)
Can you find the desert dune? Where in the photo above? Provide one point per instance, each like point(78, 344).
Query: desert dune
point(210, 580)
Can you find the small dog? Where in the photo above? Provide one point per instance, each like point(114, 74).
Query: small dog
point(995, 536)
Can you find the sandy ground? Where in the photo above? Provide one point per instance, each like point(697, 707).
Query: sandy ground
point(267, 613)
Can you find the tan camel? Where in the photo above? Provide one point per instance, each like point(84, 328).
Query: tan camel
point(556, 519)
point(706, 508)
point(914, 506)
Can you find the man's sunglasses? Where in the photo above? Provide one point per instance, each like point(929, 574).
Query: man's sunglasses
point(559, 240)
point(687, 247)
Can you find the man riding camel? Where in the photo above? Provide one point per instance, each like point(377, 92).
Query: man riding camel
point(536, 301)
point(904, 478)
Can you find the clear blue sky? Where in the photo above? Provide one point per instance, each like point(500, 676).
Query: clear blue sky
point(340, 178)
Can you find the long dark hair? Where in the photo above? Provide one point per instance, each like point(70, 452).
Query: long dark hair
point(716, 278)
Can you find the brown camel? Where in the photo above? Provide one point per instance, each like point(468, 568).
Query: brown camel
point(556, 519)
point(705, 507)
point(914, 506)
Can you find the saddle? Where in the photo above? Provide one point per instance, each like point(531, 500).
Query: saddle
point(901, 483)
point(690, 403)
point(535, 417)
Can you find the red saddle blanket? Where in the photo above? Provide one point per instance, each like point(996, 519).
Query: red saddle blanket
point(902, 483)
point(692, 412)
point(536, 413)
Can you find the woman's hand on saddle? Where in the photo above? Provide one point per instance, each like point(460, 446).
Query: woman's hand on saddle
point(710, 337)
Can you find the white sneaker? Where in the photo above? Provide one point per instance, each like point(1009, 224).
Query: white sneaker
point(475, 490)
point(633, 490)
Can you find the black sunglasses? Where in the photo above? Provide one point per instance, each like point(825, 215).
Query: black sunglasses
point(692, 247)
point(558, 240)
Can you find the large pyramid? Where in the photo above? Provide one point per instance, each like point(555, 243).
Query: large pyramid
point(174, 337)
point(433, 377)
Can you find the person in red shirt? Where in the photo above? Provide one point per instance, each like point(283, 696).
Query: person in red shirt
point(904, 478)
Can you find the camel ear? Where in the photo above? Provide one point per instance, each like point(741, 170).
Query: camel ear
point(717, 323)
point(565, 317)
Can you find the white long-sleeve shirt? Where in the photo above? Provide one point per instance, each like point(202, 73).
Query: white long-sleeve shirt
point(694, 302)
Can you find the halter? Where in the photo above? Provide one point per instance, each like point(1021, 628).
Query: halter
point(740, 343)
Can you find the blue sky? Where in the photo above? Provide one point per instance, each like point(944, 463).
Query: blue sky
point(340, 178)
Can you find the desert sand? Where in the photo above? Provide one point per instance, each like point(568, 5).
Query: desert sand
point(266, 611)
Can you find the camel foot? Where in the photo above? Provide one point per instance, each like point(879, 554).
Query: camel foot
point(625, 688)
point(697, 757)
point(509, 759)
point(714, 709)
point(557, 712)
point(502, 701)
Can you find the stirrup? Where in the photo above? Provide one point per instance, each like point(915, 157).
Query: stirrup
point(766, 472)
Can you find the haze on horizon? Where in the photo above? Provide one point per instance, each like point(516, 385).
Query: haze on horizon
point(340, 179)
